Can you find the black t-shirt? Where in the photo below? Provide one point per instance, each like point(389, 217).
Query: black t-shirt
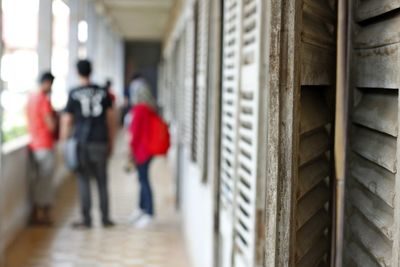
point(88, 105)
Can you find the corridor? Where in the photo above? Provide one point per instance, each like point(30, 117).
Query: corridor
point(282, 119)
point(160, 245)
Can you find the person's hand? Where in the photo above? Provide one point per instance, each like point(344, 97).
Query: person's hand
point(110, 148)
point(61, 147)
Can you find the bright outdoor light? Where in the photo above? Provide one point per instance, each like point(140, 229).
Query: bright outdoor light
point(60, 53)
point(82, 31)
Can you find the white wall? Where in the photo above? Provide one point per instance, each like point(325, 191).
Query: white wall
point(14, 189)
point(14, 204)
point(197, 212)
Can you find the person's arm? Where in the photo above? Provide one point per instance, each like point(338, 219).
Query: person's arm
point(66, 126)
point(47, 113)
point(50, 122)
point(111, 125)
point(67, 120)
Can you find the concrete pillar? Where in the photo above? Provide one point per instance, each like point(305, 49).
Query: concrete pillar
point(73, 41)
point(45, 35)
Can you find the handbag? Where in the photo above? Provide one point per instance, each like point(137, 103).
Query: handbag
point(71, 154)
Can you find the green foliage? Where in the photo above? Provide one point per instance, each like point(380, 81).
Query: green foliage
point(14, 133)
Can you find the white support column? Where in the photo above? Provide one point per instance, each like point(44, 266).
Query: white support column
point(98, 53)
point(93, 36)
point(120, 67)
point(45, 35)
point(102, 56)
point(73, 41)
point(106, 55)
point(91, 18)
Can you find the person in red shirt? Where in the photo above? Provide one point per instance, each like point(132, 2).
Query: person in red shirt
point(143, 109)
point(41, 127)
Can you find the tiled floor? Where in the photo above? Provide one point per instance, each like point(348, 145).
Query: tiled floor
point(160, 245)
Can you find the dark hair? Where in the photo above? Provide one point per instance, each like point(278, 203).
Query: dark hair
point(46, 77)
point(84, 68)
point(137, 75)
point(108, 83)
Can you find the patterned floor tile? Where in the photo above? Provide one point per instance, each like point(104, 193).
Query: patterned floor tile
point(122, 246)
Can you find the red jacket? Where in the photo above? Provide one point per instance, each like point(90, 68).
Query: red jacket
point(140, 132)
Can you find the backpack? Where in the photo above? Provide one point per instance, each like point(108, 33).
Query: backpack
point(159, 139)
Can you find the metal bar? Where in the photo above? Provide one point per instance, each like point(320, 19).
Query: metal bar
point(341, 125)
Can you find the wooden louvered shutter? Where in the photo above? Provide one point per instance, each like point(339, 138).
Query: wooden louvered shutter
point(229, 124)
point(248, 136)
point(373, 187)
point(313, 194)
point(201, 90)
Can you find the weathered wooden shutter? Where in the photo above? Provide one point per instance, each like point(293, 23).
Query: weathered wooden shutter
point(229, 124)
point(314, 189)
point(201, 69)
point(373, 206)
point(248, 136)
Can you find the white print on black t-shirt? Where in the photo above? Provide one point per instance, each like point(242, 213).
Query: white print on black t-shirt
point(90, 100)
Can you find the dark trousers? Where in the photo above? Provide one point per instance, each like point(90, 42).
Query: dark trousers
point(146, 195)
point(93, 163)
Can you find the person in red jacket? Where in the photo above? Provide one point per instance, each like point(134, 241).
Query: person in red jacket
point(143, 108)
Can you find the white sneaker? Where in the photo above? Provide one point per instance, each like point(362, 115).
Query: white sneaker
point(144, 221)
point(135, 215)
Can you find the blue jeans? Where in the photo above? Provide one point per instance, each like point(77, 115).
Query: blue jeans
point(146, 195)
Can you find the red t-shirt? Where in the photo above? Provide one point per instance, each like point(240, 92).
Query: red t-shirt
point(140, 129)
point(38, 108)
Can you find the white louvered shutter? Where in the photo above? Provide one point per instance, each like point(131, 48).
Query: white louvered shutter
point(202, 61)
point(248, 136)
point(160, 84)
point(169, 88)
point(173, 98)
point(181, 87)
point(189, 73)
point(229, 124)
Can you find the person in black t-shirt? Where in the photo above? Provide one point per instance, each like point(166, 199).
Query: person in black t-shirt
point(89, 112)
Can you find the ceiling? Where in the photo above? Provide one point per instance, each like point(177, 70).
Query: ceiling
point(139, 19)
